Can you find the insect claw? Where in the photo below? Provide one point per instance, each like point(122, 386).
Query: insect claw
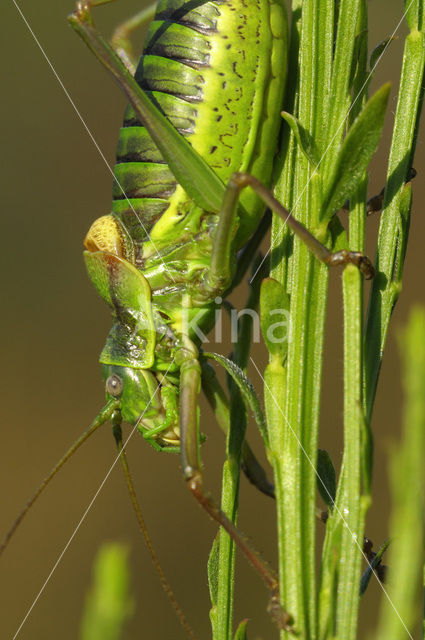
point(366, 267)
point(283, 619)
point(356, 258)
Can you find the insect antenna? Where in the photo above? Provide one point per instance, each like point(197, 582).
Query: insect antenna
point(103, 416)
point(142, 525)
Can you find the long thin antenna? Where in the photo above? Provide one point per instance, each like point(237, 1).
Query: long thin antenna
point(142, 525)
point(103, 416)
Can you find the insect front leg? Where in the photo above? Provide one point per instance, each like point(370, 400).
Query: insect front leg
point(190, 384)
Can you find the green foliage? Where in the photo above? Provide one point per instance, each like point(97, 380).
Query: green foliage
point(372, 565)
point(333, 132)
point(355, 153)
point(408, 489)
point(332, 135)
point(213, 571)
point(274, 302)
point(304, 139)
point(241, 631)
point(109, 603)
point(326, 478)
point(246, 389)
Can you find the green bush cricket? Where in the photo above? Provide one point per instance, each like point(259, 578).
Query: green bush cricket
point(183, 255)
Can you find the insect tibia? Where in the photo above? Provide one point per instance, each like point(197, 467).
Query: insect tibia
point(108, 235)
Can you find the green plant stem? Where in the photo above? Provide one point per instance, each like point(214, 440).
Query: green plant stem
point(408, 488)
point(340, 97)
point(223, 616)
point(393, 228)
point(340, 574)
point(109, 603)
point(293, 414)
point(352, 498)
point(349, 501)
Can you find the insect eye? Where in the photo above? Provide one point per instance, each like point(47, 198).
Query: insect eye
point(114, 386)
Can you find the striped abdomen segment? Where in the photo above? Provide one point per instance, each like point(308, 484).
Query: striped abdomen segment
point(168, 70)
point(217, 72)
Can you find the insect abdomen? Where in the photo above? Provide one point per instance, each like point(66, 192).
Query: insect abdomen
point(217, 72)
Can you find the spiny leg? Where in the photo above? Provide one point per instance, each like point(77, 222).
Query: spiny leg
point(116, 421)
point(190, 382)
point(220, 273)
point(104, 415)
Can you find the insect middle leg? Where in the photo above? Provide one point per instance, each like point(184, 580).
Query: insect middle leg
point(190, 384)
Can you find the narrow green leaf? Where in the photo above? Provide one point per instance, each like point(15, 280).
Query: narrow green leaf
point(212, 570)
point(378, 51)
point(384, 291)
point(108, 604)
point(365, 579)
point(246, 389)
point(326, 478)
point(366, 453)
point(356, 152)
point(274, 314)
point(241, 631)
point(304, 139)
point(338, 234)
point(403, 231)
point(360, 45)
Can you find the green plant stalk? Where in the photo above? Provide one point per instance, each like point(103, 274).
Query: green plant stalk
point(223, 616)
point(109, 603)
point(350, 501)
point(284, 178)
point(339, 595)
point(274, 399)
point(393, 228)
point(340, 97)
point(293, 414)
point(408, 488)
point(339, 579)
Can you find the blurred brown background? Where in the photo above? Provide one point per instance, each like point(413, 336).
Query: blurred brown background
point(54, 184)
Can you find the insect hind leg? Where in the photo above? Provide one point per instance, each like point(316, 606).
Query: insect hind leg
point(120, 40)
